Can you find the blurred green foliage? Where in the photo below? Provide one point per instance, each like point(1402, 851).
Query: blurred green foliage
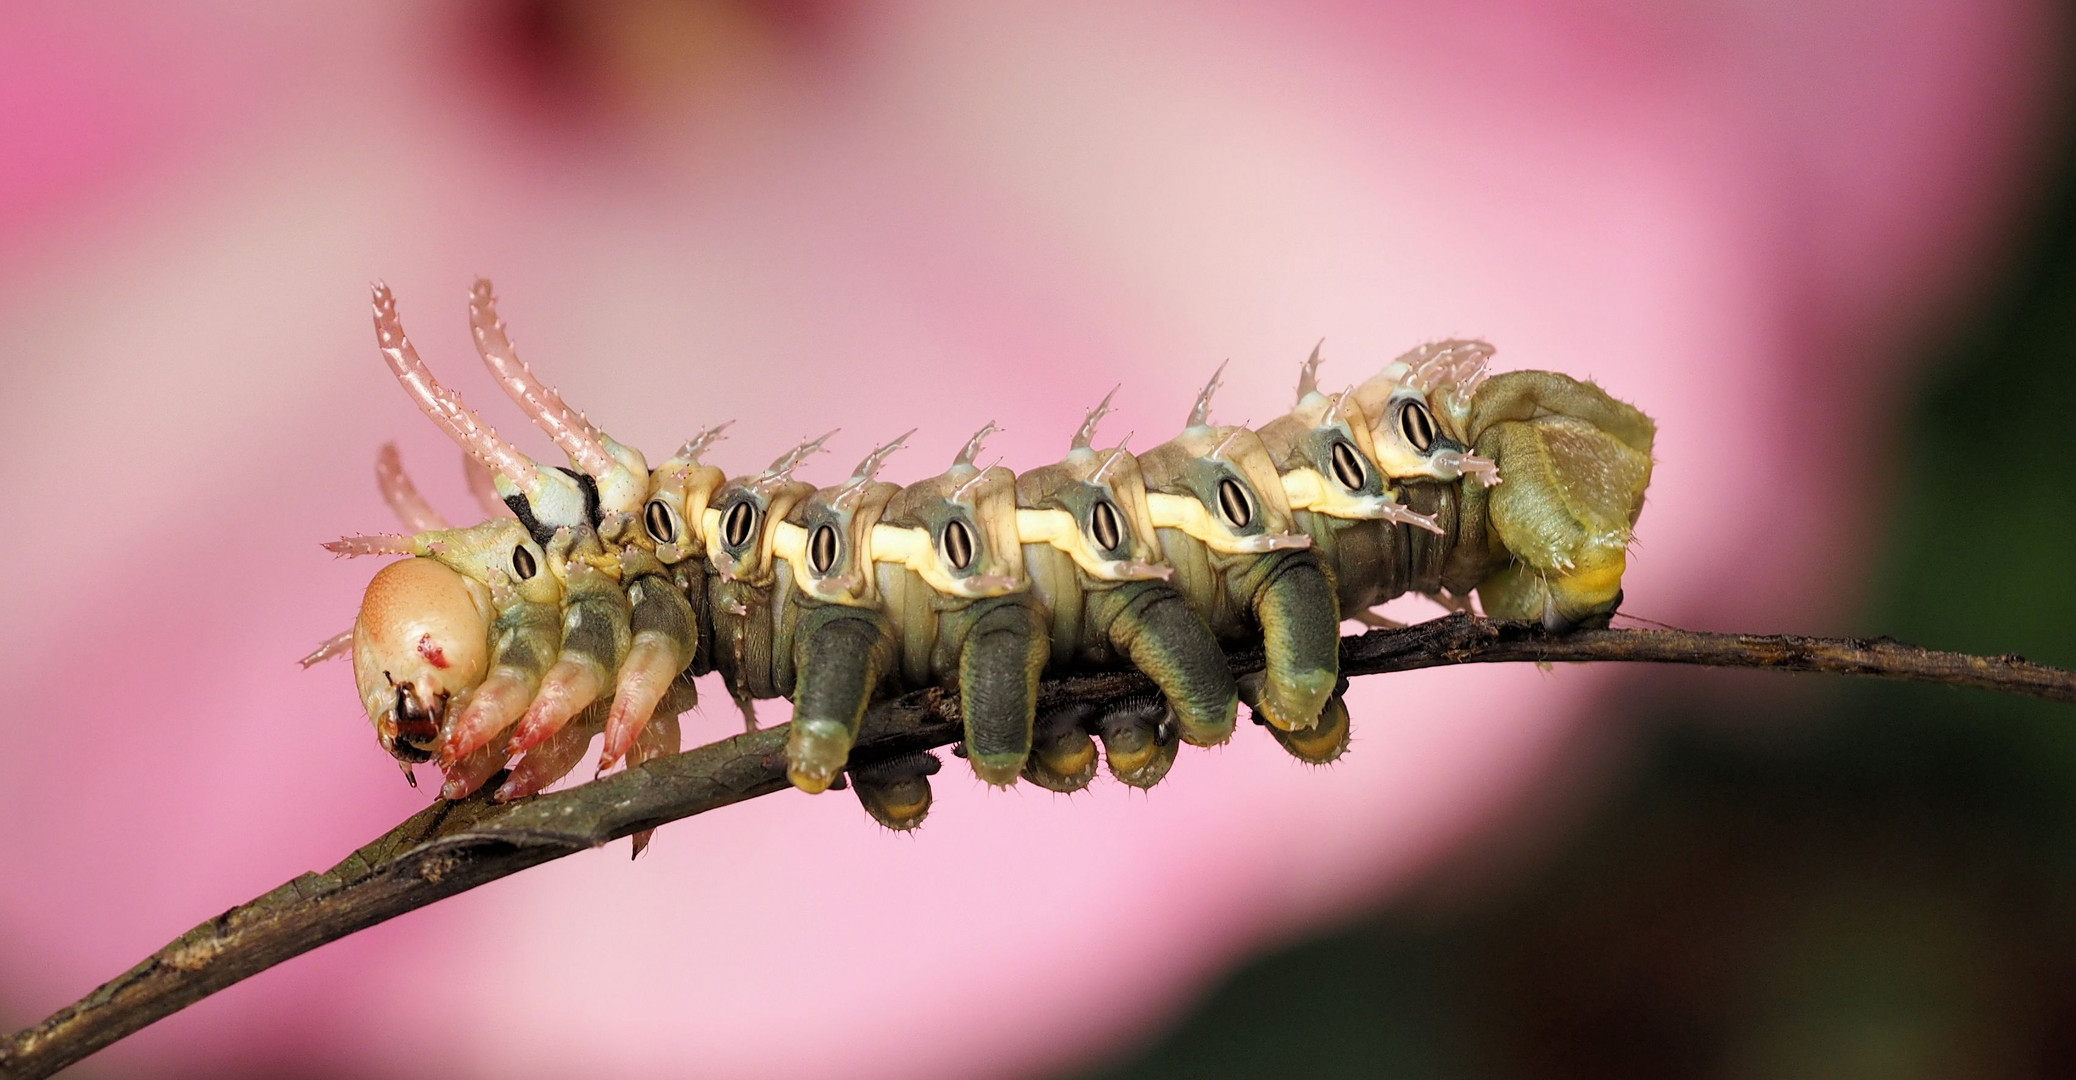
point(1881, 886)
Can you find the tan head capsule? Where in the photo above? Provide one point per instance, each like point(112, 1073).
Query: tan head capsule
point(422, 638)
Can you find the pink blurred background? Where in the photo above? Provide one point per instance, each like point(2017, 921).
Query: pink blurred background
point(809, 214)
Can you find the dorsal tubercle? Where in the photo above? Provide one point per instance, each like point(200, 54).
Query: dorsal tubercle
point(868, 469)
point(1308, 373)
point(1116, 455)
point(1200, 413)
point(702, 442)
point(973, 445)
point(1084, 438)
point(782, 468)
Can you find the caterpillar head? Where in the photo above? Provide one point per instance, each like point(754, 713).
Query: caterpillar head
point(744, 516)
point(1231, 496)
point(680, 490)
point(958, 530)
point(421, 641)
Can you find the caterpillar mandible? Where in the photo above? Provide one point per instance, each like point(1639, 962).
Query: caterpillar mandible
point(597, 592)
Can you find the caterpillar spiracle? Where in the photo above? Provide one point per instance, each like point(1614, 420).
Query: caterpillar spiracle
point(597, 591)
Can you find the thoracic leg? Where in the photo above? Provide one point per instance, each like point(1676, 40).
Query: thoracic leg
point(661, 738)
point(840, 654)
point(469, 773)
point(664, 639)
point(553, 758)
point(1163, 636)
point(1004, 652)
point(1301, 641)
point(595, 638)
point(526, 637)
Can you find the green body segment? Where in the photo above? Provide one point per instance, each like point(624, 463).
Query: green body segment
point(1120, 608)
point(1300, 637)
point(525, 639)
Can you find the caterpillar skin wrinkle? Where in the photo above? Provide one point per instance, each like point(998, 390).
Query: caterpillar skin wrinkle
point(597, 591)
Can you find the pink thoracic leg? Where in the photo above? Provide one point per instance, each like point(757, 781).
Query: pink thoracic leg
point(552, 759)
point(468, 773)
point(661, 738)
point(651, 665)
point(496, 705)
point(572, 684)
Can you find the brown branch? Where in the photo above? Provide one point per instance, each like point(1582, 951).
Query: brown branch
point(451, 847)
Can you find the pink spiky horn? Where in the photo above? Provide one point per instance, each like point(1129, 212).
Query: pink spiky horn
point(411, 508)
point(1308, 373)
point(443, 406)
point(541, 404)
point(352, 547)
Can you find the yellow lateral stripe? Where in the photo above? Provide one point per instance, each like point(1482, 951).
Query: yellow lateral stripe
point(789, 542)
point(1055, 527)
point(710, 524)
point(1187, 514)
point(1305, 489)
point(913, 549)
point(1058, 528)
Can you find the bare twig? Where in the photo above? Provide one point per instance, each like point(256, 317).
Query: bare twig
point(451, 847)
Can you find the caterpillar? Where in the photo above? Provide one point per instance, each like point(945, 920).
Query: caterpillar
point(596, 592)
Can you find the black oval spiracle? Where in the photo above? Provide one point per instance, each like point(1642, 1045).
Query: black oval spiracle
point(656, 518)
point(1417, 424)
point(958, 544)
point(821, 548)
point(737, 523)
point(1233, 503)
point(523, 563)
point(1347, 465)
point(1104, 526)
